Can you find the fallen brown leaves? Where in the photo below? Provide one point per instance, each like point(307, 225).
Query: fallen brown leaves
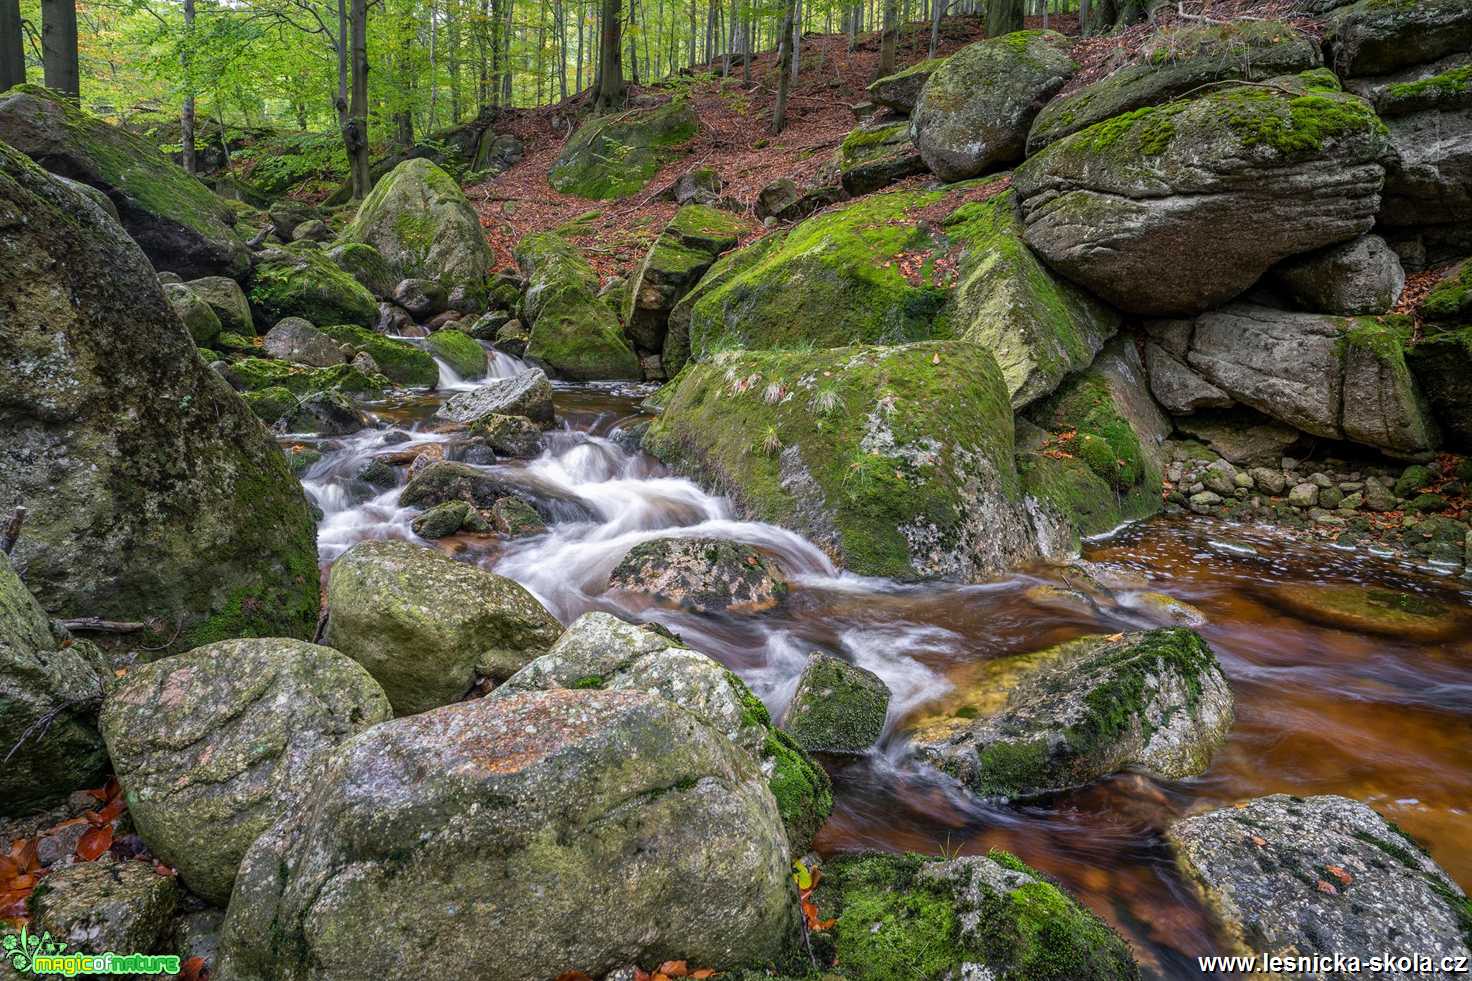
point(665, 972)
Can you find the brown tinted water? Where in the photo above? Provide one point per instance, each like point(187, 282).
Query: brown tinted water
point(1382, 719)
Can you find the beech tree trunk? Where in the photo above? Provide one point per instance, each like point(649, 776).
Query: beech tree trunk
point(12, 52)
point(1003, 17)
point(784, 66)
point(355, 135)
point(59, 47)
point(611, 88)
point(186, 111)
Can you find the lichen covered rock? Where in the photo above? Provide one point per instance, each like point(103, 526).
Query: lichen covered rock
point(901, 90)
point(574, 334)
point(1064, 717)
point(213, 746)
point(1179, 208)
point(875, 156)
point(227, 300)
point(197, 316)
point(704, 575)
point(616, 155)
point(153, 493)
point(112, 905)
point(527, 393)
point(974, 112)
point(509, 814)
point(896, 461)
point(294, 339)
point(426, 626)
point(302, 282)
point(838, 707)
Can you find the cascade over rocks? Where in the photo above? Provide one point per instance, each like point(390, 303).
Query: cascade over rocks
point(213, 746)
point(1066, 716)
point(601, 652)
point(674, 849)
point(707, 575)
point(574, 334)
point(975, 110)
point(1321, 875)
point(446, 481)
point(426, 627)
point(180, 224)
point(154, 494)
point(1179, 208)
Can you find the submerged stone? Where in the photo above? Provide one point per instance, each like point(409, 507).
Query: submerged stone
point(1370, 609)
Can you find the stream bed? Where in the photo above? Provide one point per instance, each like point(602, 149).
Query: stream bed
point(1387, 721)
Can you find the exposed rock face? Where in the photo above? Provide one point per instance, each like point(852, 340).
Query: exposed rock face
point(975, 110)
point(600, 651)
point(154, 494)
point(213, 746)
point(1063, 717)
point(1178, 60)
point(1372, 37)
point(107, 905)
point(527, 393)
point(1428, 110)
point(689, 245)
point(615, 155)
point(706, 575)
point(196, 315)
point(295, 340)
point(425, 626)
point(875, 156)
point(838, 707)
point(1319, 876)
point(1442, 364)
point(303, 282)
point(1179, 208)
point(1359, 277)
point(228, 301)
point(992, 916)
point(844, 446)
point(574, 334)
point(673, 827)
point(420, 222)
point(1329, 376)
point(901, 90)
point(38, 678)
point(180, 224)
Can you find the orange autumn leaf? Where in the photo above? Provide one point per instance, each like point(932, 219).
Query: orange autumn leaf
point(23, 853)
point(703, 973)
point(194, 970)
point(1338, 872)
point(674, 969)
point(94, 843)
point(9, 868)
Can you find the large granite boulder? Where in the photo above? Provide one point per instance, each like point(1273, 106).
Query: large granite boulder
point(420, 222)
point(1179, 208)
point(303, 282)
point(1320, 876)
point(1428, 110)
point(526, 393)
point(509, 838)
point(1337, 377)
point(1377, 37)
point(846, 447)
point(460, 351)
point(213, 746)
point(616, 155)
point(1179, 59)
point(294, 339)
point(154, 493)
point(39, 679)
point(876, 155)
point(574, 334)
point(368, 266)
point(600, 651)
point(901, 90)
point(1359, 277)
point(975, 110)
point(426, 627)
point(180, 224)
point(1068, 715)
point(227, 300)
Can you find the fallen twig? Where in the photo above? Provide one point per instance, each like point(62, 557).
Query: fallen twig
point(97, 625)
point(11, 534)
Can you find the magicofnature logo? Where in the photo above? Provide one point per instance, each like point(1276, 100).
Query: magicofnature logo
point(30, 954)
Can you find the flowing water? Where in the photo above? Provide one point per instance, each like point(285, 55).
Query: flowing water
point(1319, 710)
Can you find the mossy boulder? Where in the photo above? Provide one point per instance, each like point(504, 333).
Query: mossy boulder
point(494, 821)
point(260, 374)
point(992, 916)
point(1376, 37)
point(875, 156)
point(676, 350)
point(1442, 364)
point(324, 414)
point(1429, 115)
point(838, 707)
point(1370, 609)
point(901, 90)
point(303, 282)
point(1450, 300)
point(1179, 59)
point(975, 110)
point(1283, 875)
point(110, 905)
point(227, 299)
point(271, 404)
point(508, 435)
point(461, 352)
point(574, 334)
point(154, 494)
point(444, 480)
point(295, 340)
point(40, 679)
point(896, 461)
point(368, 266)
point(599, 651)
point(197, 316)
point(704, 575)
point(1179, 208)
point(179, 222)
point(447, 519)
point(420, 222)
point(213, 746)
point(616, 155)
point(687, 247)
point(426, 627)
point(1064, 717)
point(399, 361)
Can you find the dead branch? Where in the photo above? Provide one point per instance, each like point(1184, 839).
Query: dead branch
point(97, 625)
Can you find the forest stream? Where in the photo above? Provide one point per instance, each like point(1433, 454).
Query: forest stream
point(1320, 710)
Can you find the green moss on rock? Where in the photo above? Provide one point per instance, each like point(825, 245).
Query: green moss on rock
point(460, 351)
point(574, 334)
point(399, 361)
point(1450, 300)
point(616, 155)
point(303, 282)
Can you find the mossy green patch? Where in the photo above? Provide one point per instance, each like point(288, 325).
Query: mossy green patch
point(399, 361)
point(263, 374)
point(460, 351)
point(616, 155)
point(573, 332)
point(304, 282)
point(1450, 300)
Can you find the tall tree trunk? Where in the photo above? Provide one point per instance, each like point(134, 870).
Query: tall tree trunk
point(633, 45)
point(434, 67)
point(12, 50)
point(506, 53)
point(692, 33)
point(581, 19)
point(888, 40)
point(796, 38)
point(1003, 17)
point(784, 65)
point(186, 111)
point(611, 88)
point(59, 47)
point(561, 52)
point(356, 135)
point(482, 45)
point(937, 11)
point(404, 118)
point(452, 38)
